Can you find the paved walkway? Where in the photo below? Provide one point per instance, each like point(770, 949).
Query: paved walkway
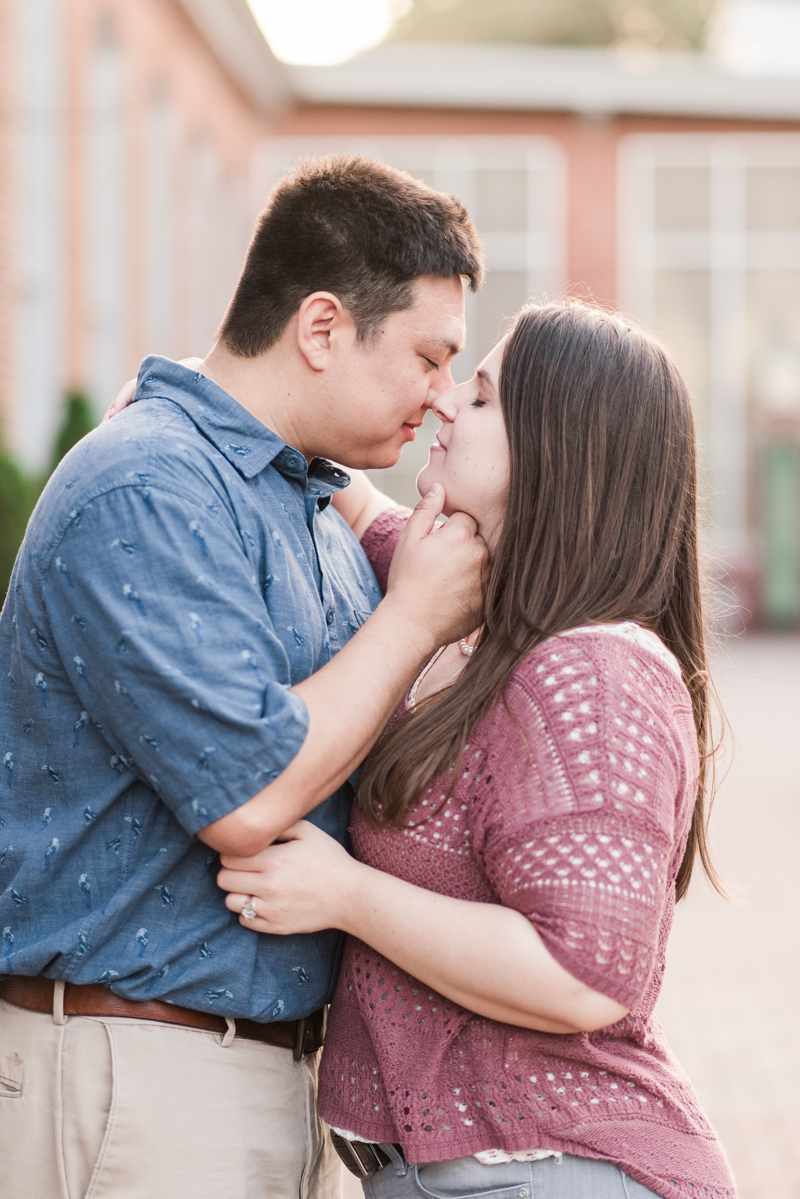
point(730, 1000)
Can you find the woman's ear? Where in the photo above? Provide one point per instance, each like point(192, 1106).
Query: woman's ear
point(319, 317)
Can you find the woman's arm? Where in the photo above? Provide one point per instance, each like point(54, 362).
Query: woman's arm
point(485, 957)
point(361, 502)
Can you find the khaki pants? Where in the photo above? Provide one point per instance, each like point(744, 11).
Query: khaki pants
point(114, 1108)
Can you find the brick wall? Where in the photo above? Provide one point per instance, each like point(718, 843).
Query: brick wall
point(114, 180)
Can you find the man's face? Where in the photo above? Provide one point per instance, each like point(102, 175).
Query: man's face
point(377, 391)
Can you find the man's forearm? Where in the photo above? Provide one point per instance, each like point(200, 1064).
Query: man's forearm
point(434, 597)
point(349, 702)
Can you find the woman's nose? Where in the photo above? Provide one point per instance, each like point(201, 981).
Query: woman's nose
point(444, 402)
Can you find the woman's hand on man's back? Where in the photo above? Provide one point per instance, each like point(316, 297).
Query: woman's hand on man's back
point(125, 394)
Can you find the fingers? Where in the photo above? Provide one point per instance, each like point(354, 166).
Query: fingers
point(240, 881)
point(296, 832)
point(461, 522)
point(428, 511)
point(429, 508)
point(299, 831)
point(257, 924)
point(121, 400)
point(231, 863)
point(235, 902)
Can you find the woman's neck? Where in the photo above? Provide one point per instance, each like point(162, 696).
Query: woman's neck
point(445, 670)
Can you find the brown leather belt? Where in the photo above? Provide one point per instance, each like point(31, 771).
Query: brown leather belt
point(301, 1036)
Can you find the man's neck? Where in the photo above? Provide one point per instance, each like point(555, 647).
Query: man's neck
point(263, 385)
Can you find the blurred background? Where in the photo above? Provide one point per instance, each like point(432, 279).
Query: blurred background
point(643, 153)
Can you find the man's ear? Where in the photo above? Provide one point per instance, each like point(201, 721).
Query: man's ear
point(320, 317)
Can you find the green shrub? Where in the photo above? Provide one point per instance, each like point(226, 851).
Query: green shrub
point(16, 502)
point(77, 422)
point(19, 492)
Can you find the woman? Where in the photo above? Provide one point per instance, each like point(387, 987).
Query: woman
point(526, 824)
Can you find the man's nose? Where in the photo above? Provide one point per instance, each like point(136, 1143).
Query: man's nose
point(444, 403)
point(440, 384)
point(444, 378)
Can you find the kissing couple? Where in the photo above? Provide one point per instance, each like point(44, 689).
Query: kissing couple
point(449, 774)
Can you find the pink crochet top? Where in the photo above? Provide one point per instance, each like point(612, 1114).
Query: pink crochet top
point(576, 816)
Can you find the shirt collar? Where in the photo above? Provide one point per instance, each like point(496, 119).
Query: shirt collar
point(247, 444)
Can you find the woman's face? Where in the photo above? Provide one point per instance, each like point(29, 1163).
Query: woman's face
point(470, 456)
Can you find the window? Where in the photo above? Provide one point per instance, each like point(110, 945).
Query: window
point(709, 240)
point(106, 221)
point(216, 241)
point(158, 260)
point(39, 336)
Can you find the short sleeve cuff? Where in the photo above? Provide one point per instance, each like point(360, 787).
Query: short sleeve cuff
point(616, 966)
point(231, 781)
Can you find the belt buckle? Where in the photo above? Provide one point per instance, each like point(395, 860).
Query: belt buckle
point(360, 1157)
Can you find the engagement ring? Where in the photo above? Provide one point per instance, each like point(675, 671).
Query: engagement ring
point(249, 910)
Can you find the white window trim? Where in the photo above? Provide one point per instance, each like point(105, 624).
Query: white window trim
point(727, 251)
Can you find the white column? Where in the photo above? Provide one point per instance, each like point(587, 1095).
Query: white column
point(205, 245)
point(636, 254)
point(727, 443)
point(106, 220)
point(454, 173)
point(239, 230)
point(158, 219)
point(42, 208)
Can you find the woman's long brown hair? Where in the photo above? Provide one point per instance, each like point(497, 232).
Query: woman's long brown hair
point(600, 527)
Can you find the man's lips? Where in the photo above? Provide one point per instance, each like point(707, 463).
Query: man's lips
point(411, 430)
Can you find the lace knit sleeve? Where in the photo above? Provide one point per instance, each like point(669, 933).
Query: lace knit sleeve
point(380, 539)
point(588, 794)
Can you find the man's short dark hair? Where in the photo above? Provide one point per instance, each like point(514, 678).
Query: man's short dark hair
point(354, 227)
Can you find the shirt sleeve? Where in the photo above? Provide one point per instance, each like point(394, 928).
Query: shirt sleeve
point(380, 541)
point(587, 815)
point(163, 631)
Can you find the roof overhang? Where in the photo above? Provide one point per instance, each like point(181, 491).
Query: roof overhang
point(542, 78)
point(232, 35)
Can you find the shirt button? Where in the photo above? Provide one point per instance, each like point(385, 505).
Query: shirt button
point(329, 616)
point(292, 462)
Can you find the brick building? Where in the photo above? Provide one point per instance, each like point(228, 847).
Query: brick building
point(663, 183)
point(139, 140)
point(127, 134)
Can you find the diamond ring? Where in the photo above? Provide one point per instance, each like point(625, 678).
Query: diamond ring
point(249, 910)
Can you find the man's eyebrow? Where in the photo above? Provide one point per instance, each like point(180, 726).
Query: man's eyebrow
point(452, 346)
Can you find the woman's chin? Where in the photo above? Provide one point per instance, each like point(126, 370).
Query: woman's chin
point(426, 479)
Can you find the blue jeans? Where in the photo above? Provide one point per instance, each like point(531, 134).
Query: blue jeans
point(465, 1178)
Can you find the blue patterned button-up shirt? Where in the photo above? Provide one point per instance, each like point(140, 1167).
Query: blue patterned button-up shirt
point(182, 570)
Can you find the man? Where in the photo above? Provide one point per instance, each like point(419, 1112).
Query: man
point(187, 668)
